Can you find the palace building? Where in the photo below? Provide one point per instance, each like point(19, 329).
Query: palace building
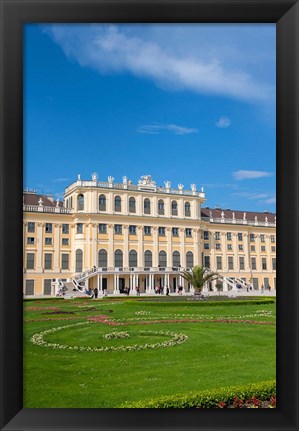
point(111, 236)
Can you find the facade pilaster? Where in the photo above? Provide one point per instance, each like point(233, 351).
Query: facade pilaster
point(140, 254)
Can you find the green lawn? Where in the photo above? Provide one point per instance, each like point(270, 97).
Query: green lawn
point(215, 354)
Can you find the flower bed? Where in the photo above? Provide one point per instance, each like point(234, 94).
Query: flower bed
point(38, 339)
point(114, 335)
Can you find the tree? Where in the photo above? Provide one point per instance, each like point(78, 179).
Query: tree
point(198, 276)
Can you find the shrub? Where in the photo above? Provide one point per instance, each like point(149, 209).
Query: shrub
point(214, 398)
point(203, 303)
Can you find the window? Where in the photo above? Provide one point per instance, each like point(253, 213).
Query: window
point(30, 261)
point(161, 231)
point(162, 259)
point(65, 229)
point(218, 246)
point(132, 205)
point(189, 259)
point(30, 240)
point(48, 241)
point(219, 262)
point(102, 203)
point(175, 231)
point(217, 235)
point(273, 249)
point(160, 207)
point(102, 258)
point(252, 248)
point(118, 259)
point(263, 248)
point(118, 229)
point(102, 228)
point(148, 259)
point(205, 235)
point(117, 203)
point(253, 263)
point(80, 202)
point(207, 261)
point(132, 230)
point(147, 206)
point(206, 246)
point(255, 283)
point(133, 259)
point(65, 241)
point(31, 227)
point(240, 236)
point(274, 263)
point(251, 237)
point(187, 209)
point(229, 236)
point(47, 286)
point(79, 260)
point(79, 227)
point(264, 263)
point(188, 232)
point(48, 261)
point(64, 261)
point(240, 247)
point(48, 227)
point(174, 208)
point(262, 237)
point(241, 262)
point(29, 287)
point(176, 259)
point(147, 230)
point(229, 246)
point(230, 262)
point(272, 238)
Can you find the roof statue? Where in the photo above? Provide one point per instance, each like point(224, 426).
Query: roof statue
point(146, 180)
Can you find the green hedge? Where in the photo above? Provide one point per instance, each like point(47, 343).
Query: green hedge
point(200, 303)
point(209, 398)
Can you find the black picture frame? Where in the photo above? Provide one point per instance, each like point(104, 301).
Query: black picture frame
point(14, 14)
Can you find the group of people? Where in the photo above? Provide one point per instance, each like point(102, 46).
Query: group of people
point(263, 288)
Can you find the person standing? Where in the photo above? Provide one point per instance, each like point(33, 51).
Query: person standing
point(96, 293)
point(262, 288)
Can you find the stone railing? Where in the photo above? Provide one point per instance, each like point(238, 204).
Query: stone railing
point(126, 186)
point(243, 222)
point(45, 209)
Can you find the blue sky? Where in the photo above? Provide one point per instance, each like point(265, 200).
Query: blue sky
point(186, 103)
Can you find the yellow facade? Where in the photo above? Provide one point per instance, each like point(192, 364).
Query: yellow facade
point(141, 235)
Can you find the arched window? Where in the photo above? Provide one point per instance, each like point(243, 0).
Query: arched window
point(147, 206)
point(132, 259)
point(132, 205)
point(162, 259)
point(176, 260)
point(80, 202)
point(79, 260)
point(187, 209)
point(174, 208)
point(102, 203)
point(161, 207)
point(189, 259)
point(102, 259)
point(118, 259)
point(148, 259)
point(117, 203)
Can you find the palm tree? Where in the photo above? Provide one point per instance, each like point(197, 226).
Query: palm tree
point(198, 276)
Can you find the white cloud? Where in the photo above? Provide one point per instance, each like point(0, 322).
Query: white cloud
point(155, 129)
point(112, 48)
point(271, 200)
point(60, 180)
point(223, 122)
point(250, 175)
